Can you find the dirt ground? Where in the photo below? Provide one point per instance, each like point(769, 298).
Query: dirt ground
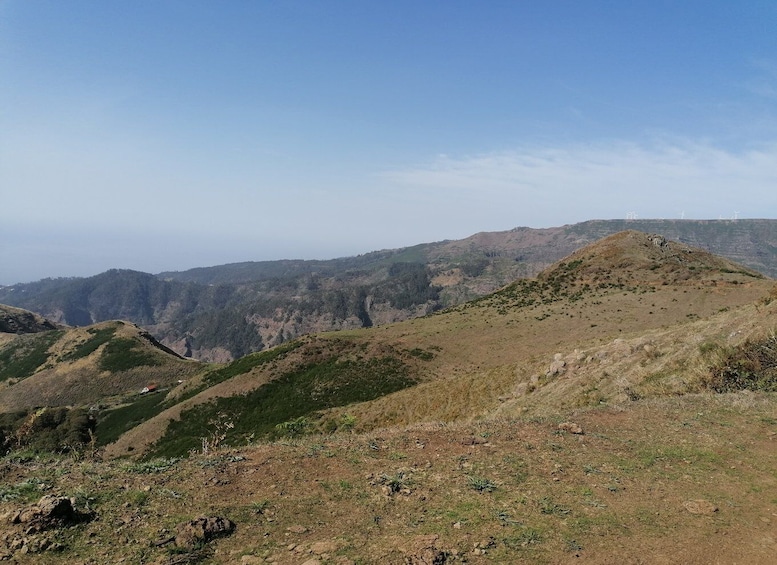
point(676, 480)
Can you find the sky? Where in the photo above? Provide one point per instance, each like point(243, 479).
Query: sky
point(165, 135)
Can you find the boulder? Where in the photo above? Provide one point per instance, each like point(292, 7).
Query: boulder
point(202, 530)
point(50, 512)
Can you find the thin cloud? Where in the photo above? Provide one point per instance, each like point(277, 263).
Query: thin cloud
point(585, 181)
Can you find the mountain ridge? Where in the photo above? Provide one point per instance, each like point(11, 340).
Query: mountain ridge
point(627, 392)
point(222, 313)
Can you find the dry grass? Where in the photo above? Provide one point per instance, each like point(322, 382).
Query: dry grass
point(487, 356)
point(618, 493)
point(74, 376)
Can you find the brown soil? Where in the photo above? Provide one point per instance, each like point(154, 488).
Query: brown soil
point(679, 480)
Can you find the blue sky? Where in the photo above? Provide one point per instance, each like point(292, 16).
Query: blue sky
point(163, 135)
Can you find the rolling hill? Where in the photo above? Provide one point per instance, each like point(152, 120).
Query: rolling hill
point(222, 313)
point(618, 407)
point(82, 366)
point(463, 362)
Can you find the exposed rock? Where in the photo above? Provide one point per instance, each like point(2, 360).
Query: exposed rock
point(473, 440)
point(50, 512)
point(701, 507)
point(658, 240)
point(297, 529)
point(202, 530)
point(322, 547)
point(423, 551)
point(570, 427)
point(557, 366)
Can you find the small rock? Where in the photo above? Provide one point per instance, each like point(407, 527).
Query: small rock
point(701, 507)
point(322, 547)
point(202, 530)
point(571, 427)
point(297, 529)
point(557, 366)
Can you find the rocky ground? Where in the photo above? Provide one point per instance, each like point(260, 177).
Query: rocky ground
point(685, 479)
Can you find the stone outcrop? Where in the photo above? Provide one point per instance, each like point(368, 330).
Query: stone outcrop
point(50, 512)
point(202, 530)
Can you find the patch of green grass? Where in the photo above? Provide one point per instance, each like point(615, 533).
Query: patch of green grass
point(23, 356)
point(297, 394)
point(245, 364)
point(122, 354)
point(526, 537)
point(481, 484)
point(113, 423)
point(549, 506)
point(654, 454)
point(99, 337)
point(25, 491)
point(151, 466)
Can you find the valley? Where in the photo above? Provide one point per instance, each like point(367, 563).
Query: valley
point(619, 406)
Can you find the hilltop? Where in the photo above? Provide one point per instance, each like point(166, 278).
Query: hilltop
point(618, 407)
point(625, 284)
point(82, 366)
point(224, 312)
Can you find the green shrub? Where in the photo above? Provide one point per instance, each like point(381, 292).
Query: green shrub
point(53, 430)
point(294, 396)
point(23, 356)
point(122, 354)
point(749, 366)
point(99, 337)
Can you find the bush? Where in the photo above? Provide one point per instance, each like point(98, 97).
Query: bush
point(55, 430)
point(122, 354)
point(750, 366)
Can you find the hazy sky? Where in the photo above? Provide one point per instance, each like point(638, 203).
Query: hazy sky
point(163, 135)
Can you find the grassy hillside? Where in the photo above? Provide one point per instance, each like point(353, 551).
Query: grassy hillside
point(83, 366)
point(618, 408)
point(224, 312)
point(670, 479)
point(466, 361)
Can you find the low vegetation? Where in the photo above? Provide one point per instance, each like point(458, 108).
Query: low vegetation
point(21, 358)
point(594, 414)
point(98, 337)
point(751, 365)
point(55, 430)
point(276, 408)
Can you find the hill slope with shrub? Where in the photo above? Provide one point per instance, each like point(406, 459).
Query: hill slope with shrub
point(224, 312)
point(618, 408)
